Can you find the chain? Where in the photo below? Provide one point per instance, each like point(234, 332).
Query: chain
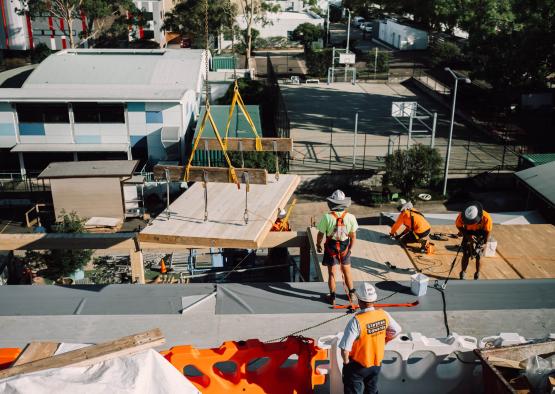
point(207, 49)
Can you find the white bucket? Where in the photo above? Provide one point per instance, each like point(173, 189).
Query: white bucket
point(490, 248)
point(419, 284)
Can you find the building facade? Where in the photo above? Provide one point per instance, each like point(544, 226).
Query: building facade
point(20, 32)
point(281, 24)
point(401, 36)
point(109, 103)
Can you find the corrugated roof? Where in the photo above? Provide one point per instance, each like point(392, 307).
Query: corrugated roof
point(101, 168)
point(112, 74)
point(541, 179)
point(539, 158)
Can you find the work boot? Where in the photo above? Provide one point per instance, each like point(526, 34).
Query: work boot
point(476, 275)
point(462, 275)
point(330, 298)
point(353, 297)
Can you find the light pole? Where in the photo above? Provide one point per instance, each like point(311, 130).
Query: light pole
point(448, 155)
point(328, 25)
point(348, 29)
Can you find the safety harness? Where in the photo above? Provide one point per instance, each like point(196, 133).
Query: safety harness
point(333, 242)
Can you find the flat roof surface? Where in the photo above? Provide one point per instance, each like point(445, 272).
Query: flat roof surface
point(100, 168)
point(39, 147)
point(110, 74)
point(541, 179)
point(539, 158)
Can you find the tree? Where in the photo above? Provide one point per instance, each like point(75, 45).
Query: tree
point(306, 33)
point(380, 62)
point(444, 53)
point(99, 14)
point(318, 62)
point(58, 263)
point(418, 166)
point(254, 11)
point(188, 17)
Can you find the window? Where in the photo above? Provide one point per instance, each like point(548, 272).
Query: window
point(42, 113)
point(154, 117)
point(148, 16)
point(98, 113)
point(148, 34)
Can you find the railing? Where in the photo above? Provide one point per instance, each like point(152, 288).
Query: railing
point(15, 182)
point(431, 83)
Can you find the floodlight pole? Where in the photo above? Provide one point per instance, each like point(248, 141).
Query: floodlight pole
point(454, 103)
point(348, 29)
point(328, 25)
point(355, 141)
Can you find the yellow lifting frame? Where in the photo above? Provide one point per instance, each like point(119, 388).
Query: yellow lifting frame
point(238, 100)
point(208, 116)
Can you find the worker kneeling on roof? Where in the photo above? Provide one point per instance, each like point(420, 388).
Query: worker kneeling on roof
point(339, 227)
point(417, 228)
point(475, 225)
point(363, 343)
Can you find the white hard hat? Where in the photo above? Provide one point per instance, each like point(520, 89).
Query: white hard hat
point(366, 292)
point(282, 214)
point(473, 213)
point(339, 198)
point(406, 205)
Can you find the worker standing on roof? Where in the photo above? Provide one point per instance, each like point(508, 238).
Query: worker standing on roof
point(475, 225)
point(363, 343)
point(417, 228)
point(339, 227)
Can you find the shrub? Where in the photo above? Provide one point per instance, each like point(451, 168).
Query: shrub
point(444, 53)
point(318, 62)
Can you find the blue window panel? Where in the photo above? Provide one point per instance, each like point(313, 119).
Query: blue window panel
point(137, 139)
point(154, 117)
point(31, 129)
point(87, 139)
point(136, 107)
point(7, 130)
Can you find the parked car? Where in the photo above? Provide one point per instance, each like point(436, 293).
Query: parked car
point(363, 25)
point(368, 28)
point(357, 20)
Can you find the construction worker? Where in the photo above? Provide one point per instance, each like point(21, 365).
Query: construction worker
point(339, 227)
point(475, 225)
point(417, 228)
point(363, 343)
point(281, 224)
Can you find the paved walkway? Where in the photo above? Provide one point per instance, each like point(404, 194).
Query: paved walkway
point(322, 126)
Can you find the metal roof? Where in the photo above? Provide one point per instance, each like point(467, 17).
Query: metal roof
point(539, 158)
point(79, 169)
point(112, 74)
point(40, 147)
point(541, 179)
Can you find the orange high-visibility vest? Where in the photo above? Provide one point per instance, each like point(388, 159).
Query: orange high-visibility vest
point(368, 348)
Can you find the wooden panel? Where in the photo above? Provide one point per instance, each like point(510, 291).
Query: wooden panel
point(36, 351)
point(91, 354)
point(124, 242)
point(249, 144)
point(137, 266)
point(225, 226)
point(439, 264)
point(371, 251)
point(215, 174)
point(88, 197)
point(528, 249)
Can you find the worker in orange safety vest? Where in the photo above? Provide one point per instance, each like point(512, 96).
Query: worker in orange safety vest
point(281, 224)
point(417, 228)
point(475, 225)
point(363, 343)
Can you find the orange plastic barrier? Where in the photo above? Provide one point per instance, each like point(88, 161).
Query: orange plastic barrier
point(7, 356)
point(251, 366)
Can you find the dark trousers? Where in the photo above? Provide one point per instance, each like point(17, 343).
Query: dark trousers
point(360, 380)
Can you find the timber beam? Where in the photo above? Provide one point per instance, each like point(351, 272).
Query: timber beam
point(126, 241)
point(248, 144)
point(257, 176)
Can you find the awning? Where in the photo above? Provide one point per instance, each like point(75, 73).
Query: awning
point(40, 147)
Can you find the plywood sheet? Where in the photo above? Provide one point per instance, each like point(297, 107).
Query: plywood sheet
point(439, 264)
point(529, 249)
point(369, 256)
point(225, 226)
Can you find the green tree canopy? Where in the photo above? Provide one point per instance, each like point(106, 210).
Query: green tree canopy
point(418, 166)
point(306, 33)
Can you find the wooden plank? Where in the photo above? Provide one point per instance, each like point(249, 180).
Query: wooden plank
point(505, 362)
point(248, 144)
point(137, 266)
point(439, 264)
point(369, 256)
point(36, 351)
point(225, 226)
point(91, 354)
point(257, 176)
point(124, 242)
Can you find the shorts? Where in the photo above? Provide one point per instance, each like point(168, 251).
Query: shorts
point(330, 260)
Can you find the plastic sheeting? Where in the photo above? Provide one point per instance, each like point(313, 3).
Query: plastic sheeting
point(146, 372)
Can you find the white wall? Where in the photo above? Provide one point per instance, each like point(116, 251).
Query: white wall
point(7, 126)
point(402, 37)
point(281, 23)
